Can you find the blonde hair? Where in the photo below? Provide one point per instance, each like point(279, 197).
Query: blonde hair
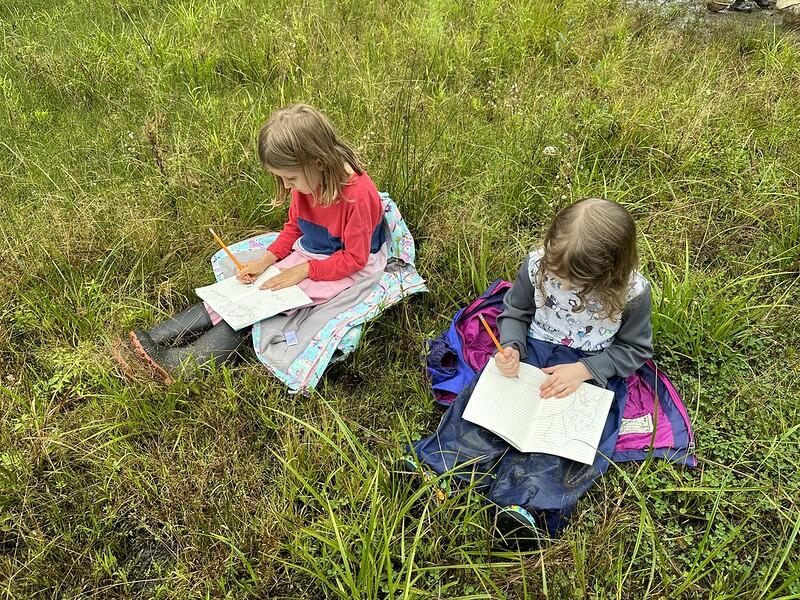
point(300, 137)
point(592, 243)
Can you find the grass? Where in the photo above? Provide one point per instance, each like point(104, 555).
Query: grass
point(128, 127)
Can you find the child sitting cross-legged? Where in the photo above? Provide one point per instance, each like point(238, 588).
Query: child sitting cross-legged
point(580, 310)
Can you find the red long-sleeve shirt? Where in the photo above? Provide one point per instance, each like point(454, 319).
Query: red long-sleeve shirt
point(346, 231)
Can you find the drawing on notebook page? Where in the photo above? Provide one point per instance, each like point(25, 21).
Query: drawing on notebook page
point(241, 304)
point(572, 420)
point(586, 411)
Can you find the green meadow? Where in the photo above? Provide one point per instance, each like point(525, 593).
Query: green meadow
point(127, 128)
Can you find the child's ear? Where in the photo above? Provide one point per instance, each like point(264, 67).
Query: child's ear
point(318, 164)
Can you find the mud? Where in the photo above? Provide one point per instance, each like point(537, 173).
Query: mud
point(684, 13)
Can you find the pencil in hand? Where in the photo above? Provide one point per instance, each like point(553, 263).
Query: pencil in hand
point(224, 247)
point(491, 335)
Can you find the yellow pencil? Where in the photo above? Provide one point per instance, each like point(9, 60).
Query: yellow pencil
point(494, 339)
point(491, 335)
point(224, 247)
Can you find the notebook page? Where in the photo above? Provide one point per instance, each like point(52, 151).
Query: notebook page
point(242, 304)
point(571, 426)
point(233, 289)
point(504, 405)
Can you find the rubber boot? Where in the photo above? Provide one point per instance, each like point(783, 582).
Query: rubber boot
point(218, 345)
point(177, 330)
point(515, 529)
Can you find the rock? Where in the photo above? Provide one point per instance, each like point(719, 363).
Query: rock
point(717, 5)
point(791, 17)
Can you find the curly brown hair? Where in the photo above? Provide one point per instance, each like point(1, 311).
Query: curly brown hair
point(592, 244)
point(298, 136)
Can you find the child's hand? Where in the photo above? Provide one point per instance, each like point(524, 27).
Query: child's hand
point(564, 379)
point(287, 278)
point(251, 270)
point(507, 361)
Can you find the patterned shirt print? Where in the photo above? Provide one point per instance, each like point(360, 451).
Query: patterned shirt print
point(555, 322)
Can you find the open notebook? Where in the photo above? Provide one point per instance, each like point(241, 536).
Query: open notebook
point(242, 304)
point(512, 409)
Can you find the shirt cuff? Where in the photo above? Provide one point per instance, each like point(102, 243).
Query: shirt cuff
point(522, 347)
point(591, 363)
point(313, 270)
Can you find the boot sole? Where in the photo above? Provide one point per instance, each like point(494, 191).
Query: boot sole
point(142, 353)
point(514, 532)
point(131, 368)
point(124, 365)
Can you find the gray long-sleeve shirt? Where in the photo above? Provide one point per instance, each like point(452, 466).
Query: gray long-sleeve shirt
point(630, 347)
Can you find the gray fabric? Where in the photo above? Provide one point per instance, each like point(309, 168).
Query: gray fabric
point(631, 347)
point(519, 307)
point(307, 323)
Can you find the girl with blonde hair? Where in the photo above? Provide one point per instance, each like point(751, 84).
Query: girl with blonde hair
point(333, 237)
